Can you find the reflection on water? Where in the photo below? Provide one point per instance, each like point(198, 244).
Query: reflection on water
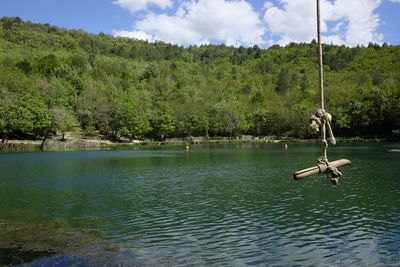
point(211, 206)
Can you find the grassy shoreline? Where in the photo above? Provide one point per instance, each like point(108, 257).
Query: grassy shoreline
point(90, 144)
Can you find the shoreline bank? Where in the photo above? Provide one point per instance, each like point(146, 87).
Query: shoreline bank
point(93, 144)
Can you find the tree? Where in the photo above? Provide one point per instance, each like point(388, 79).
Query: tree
point(227, 112)
point(128, 119)
point(101, 117)
point(48, 65)
point(149, 73)
point(266, 122)
point(304, 83)
point(63, 121)
point(265, 66)
point(25, 66)
point(39, 114)
point(163, 124)
point(22, 114)
point(78, 62)
point(282, 85)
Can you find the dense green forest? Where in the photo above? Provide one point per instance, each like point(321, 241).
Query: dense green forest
point(58, 80)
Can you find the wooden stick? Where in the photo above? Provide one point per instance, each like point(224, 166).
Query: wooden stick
point(321, 168)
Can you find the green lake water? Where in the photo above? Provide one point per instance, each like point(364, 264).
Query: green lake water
point(217, 205)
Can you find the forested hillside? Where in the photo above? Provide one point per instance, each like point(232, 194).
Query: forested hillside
point(55, 79)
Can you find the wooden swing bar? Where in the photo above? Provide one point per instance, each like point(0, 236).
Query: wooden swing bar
point(320, 169)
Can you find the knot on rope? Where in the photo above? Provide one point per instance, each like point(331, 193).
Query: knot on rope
point(319, 119)
point(332, 172)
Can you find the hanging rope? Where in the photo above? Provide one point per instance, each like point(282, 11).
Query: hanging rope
point(322, 118)
point(320, 122)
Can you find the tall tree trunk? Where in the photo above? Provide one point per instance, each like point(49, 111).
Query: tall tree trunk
point(44, 140)
point(4, 138)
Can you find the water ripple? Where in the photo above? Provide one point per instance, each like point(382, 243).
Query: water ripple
point(220, 207)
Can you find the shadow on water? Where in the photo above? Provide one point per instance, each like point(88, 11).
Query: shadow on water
point(14, 256)
point(46, 244)
point(18, 257)
point(55, 243)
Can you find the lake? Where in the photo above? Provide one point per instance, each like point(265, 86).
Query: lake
point(215, 205)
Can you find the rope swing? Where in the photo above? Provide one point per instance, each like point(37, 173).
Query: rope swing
point(319, 122)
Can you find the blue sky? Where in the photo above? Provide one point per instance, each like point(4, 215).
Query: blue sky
point(233, 22)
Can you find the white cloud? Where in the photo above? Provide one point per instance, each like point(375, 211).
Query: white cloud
point(199, 22)
point(295, 22)
point(171, 29)
point(354, 21)
point(135, 34)
point(268, 5)
point(137, 5)
point(234, 22)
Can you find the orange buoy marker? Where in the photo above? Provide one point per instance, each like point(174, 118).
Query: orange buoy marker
point(187, 148)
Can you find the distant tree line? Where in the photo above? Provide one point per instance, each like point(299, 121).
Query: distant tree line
point(59, 80)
